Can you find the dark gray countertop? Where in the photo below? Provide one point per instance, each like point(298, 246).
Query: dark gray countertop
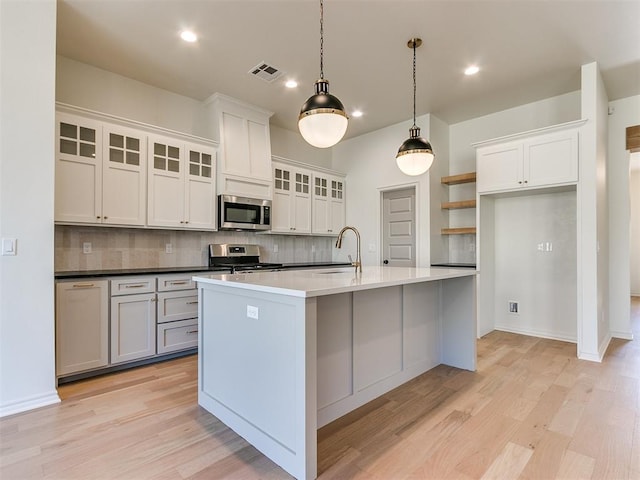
point(161, 270)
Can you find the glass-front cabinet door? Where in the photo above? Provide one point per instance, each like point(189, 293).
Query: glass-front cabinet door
point(78, 170)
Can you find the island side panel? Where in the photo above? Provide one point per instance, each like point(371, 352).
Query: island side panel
point(459, 323)
point(421, 327)
point(372, 341)
point(257, 375)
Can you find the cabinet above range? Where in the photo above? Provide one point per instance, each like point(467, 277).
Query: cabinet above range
point(243, 131)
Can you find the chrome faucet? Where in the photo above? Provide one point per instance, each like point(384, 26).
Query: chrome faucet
point(358, 262)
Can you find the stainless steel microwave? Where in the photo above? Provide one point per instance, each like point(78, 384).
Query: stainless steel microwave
point(242, 213)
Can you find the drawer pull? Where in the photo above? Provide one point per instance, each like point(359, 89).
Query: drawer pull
point(83, 285)
point(139, 285)
point(192, 303)
point(182, 282)
point(189, 332)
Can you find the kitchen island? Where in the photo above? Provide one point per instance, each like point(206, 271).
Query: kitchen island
point(283, 353)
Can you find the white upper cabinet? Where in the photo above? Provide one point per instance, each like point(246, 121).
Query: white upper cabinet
point(328, 210)
point(78, 172)
point(120, 172)
point(530, 161)
point(181, 184)
point(245, 148)
point(291, 199)
point(100, 172)
point(123, 176)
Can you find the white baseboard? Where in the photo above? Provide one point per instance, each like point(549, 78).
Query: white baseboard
point(623, 335)
point(29, 403)
point(538, 333)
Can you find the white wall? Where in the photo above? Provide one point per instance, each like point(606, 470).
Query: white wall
point(370, 165)
point(593, 225)
point(551, 111)
point(543, 282)
point(291, 145)
point(89, 87)
point(634, 186)
point(27, 84)
point(624, 113)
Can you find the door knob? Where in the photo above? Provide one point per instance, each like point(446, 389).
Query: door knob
point(386, 262)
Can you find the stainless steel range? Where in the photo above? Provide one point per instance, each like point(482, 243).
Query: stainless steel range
point(239, 258)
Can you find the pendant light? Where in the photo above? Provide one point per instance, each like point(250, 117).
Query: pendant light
point(322, 121)
point(415, 155)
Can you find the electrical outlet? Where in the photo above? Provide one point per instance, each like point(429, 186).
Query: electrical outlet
point(168, 248)
point(86, 247)
point(252, 312)
point(514, 307)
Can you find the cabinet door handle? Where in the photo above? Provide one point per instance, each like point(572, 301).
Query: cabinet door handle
point(105, 218)
point(192, 303)
point(181, 282)
point(139, 285)
point(189, 332)
point(83, 285)
point(98, 217)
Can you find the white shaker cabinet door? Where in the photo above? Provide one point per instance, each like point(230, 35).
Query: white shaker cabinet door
point(166, 182)
point(200, 202)
point(499, 167)
point(78, 170)
point(82, 326)
point(124, 176)
point(133, 327)
point(551, 159)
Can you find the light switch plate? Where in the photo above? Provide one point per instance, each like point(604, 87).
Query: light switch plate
point(9, 246)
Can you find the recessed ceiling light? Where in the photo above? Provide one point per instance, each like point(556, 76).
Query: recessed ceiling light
point(291, 84)
point(188, 36)
point(356, 113)
point(472, 70)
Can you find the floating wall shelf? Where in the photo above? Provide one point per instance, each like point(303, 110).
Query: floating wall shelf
point(461, 178)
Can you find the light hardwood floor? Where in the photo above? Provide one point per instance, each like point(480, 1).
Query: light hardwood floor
point(531, 411)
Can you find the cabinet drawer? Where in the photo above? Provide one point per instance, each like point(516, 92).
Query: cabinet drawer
point(132, 285)
point(176, 282)
point(177, 305)
point(178, 335)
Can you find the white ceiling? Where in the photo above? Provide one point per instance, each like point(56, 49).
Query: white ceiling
point(527, 50)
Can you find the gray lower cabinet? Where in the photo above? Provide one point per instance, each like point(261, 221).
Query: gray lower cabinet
point(110, 322)
point(82, 325)
point(133, 327)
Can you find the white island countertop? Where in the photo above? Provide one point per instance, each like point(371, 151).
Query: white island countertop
point(315, 283)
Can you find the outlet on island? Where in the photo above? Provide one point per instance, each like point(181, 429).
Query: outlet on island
point(168, 248)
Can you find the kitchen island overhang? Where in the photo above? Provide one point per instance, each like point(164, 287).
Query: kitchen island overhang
point(284, 353)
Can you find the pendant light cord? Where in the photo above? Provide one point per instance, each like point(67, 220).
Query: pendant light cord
point(414, 83)
point(321, 39)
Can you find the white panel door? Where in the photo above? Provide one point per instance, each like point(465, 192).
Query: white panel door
point(399, 228)
point(166, 183)
point(78, 171)
point(123, 176)
point(259, 149)
point(200, 194)
point(282, 199)
point(500, 167)
point(235, 153)
point(551, 159)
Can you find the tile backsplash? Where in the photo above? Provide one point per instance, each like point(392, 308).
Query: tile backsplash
point(115, 248)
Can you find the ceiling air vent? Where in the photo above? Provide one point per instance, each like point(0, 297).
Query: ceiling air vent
point(266, 72)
